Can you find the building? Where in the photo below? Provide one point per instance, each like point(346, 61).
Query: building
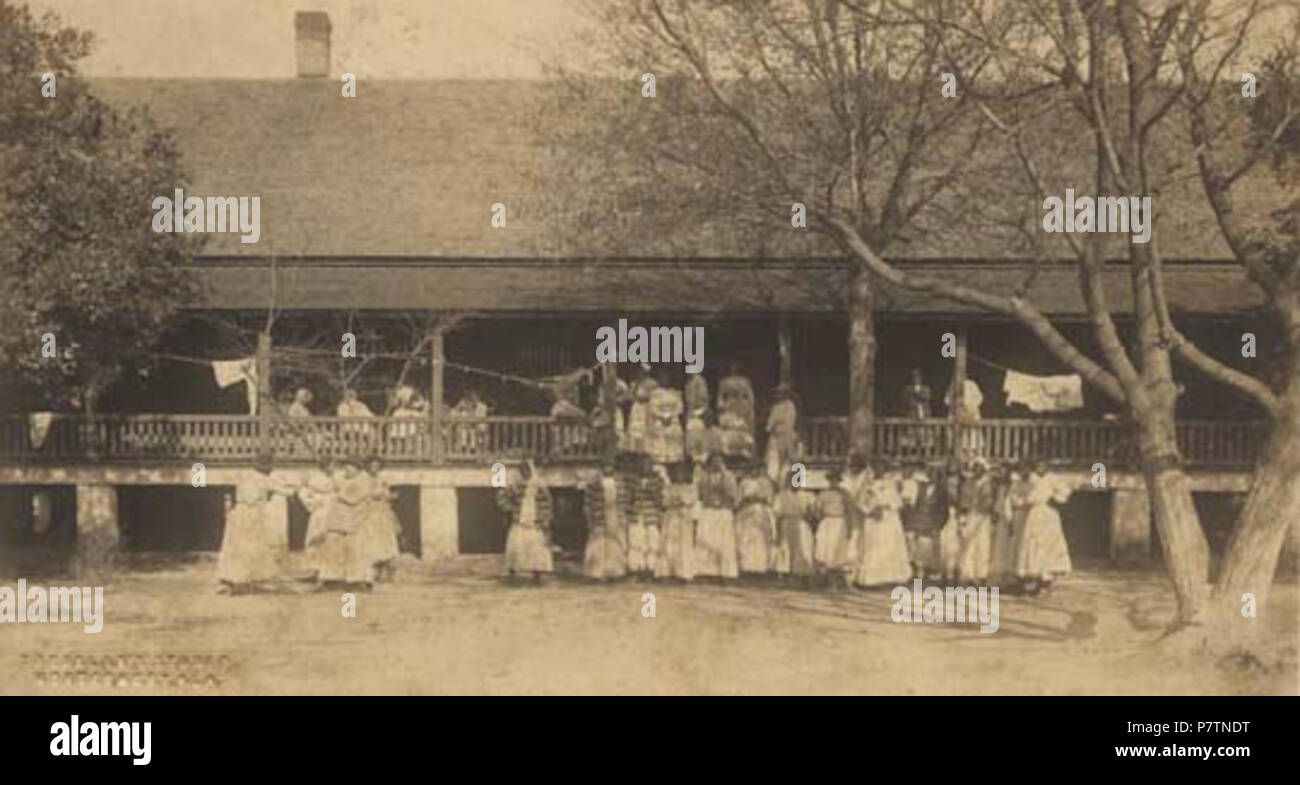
point(381, 206)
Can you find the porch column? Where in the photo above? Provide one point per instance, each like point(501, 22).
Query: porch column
point(958, 392)
point(439, 522)
point(1130, 525)
point(436, 363)
point(264, 398)
point(784, 352)
point(862, 365)
point(97, 532)
point(609, 394)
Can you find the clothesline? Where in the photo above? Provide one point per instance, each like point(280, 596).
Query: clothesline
point(538, 383)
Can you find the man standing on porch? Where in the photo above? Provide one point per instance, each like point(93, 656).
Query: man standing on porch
point(916, 397)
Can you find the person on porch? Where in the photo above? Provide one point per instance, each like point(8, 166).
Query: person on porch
point(352, 407)
point(736, 413)
point(782, 432)
point(469, 438)
point(916, 397)
point(665, 440)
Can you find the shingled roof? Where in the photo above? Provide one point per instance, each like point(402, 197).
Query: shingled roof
point(412, 168)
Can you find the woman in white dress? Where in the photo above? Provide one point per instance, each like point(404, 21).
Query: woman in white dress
point(252, 551)
point(528, 543)
point(831, 538)
point(715, 533)
point(1042, 555)
point(755, 524)
point(883, 558)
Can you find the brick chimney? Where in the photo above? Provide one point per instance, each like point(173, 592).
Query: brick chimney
point(312, 39)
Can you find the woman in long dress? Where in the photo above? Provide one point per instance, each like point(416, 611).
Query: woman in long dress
point(715, 533)
point(975, 530)
point(1042, 555)
point(666, 441)
point(640, 422)
point(644, 517)
point(252, 552)
point(335, 548)
point(793, 508)
point(379, 525)
point(882, 558)
point(755, 524)
point(917, 492)
point(830, 542)
point(677, 546)
point(782, 433)
point(736, 414)
point(528, 543)
point(1009, 521)
point(605, 557)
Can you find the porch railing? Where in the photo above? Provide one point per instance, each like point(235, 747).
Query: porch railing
point(236, 438)
point(1204, 443)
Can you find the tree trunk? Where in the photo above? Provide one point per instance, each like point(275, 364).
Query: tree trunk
point(1182, 543)
point(1272, 505)
point(862, 365)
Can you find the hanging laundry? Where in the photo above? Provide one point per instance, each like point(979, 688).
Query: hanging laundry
point(228, 372)
point(1044, 393)
point(38, 427)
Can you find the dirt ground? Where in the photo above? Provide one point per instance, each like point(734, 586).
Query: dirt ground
point(455, 628)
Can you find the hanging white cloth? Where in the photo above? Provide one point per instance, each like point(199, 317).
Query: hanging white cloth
point(228, 372)
point(971, 400)
point(1044, 393)
point(38, 427)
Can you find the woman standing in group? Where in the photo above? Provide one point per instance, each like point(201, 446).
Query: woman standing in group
point(1042, 555)
point(528, 543)
point(377, 535)
point(755, 526)
point(715, 534)
point(252, 552)
point(1009, 521)
point(335, 547)
point(882, 556)
point(793, 508)
point(640, 421)
point(645, 516)
point(605, 557)
point(830, 543)
point(677, 545)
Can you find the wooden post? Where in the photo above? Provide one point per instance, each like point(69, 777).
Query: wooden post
point(958, 392)
point(784, 373)
point(436, 361)
point(862, 366)
point(264, 398)
point(609, 394)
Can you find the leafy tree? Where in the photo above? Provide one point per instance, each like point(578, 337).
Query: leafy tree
point(79, 259)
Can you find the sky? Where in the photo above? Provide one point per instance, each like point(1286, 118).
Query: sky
point(253, 39)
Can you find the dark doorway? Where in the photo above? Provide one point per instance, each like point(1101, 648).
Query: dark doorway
point(173, 518)
point(568, 522)
point(38, 529)
point(407, 508)
point(482, 526)
point(1086, 520)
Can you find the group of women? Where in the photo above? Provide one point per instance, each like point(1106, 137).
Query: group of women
point(351, 535)
point(875, 525)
